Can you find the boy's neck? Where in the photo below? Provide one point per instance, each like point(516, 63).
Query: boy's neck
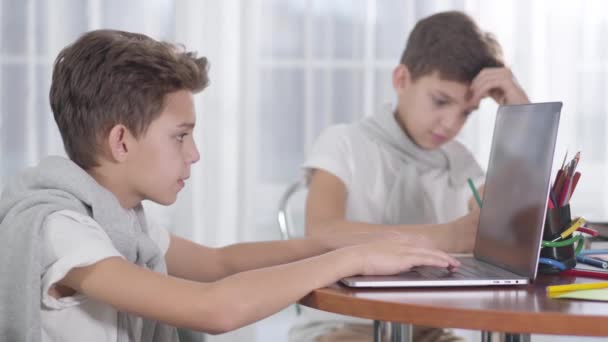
point(112, 179)
point(401, 124)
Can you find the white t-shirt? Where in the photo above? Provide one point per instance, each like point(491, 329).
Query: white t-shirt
point(368, 170)
point(71, 240)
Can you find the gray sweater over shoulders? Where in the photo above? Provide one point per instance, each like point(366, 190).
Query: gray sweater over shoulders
point(57, 184)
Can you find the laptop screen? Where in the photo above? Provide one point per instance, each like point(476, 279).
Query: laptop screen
point(517, 186)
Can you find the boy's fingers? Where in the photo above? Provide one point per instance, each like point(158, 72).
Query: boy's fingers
point(493, 87)
point(484, 75)
point(428, 260)
point(435, 254)
point(493, 73)
point(501, 85)
point(482, 89)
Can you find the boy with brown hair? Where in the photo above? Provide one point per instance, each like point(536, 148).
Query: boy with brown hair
point(402, 170)
point(79, 261)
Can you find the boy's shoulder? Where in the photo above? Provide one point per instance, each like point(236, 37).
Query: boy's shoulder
point(67, 214)
point(350, 133)
point(75, 226)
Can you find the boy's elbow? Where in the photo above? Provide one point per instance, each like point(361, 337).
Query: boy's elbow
point(219, 328)
point(223, 316)
point(220, 322)
point(231, 319)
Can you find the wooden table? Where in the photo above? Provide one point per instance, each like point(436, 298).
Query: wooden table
point(513, 309)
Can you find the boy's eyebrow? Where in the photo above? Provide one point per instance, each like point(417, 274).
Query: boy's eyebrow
point(186, 125)
point(447, 96)
point(451, 99)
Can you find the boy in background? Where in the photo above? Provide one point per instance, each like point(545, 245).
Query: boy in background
point(402, 170)
point(79, 261)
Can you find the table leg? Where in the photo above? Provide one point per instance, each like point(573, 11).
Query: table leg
point(392, 332)
point(377, 331)
point(488, 336)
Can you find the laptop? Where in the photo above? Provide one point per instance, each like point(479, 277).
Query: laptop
point(512, 217)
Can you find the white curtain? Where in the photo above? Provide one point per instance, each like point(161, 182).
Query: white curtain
point(281, 71)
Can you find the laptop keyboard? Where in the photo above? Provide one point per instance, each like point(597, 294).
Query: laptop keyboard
point(469, 269)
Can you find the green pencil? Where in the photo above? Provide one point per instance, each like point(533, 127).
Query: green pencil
point(472, 186)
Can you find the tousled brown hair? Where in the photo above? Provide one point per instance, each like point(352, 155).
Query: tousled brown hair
point(452, 44)
point(110, 77)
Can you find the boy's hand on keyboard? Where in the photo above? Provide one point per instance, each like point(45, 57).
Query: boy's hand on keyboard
point(392, 257)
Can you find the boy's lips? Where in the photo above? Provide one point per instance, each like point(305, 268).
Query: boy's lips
point(182, 181)
point(439, 138)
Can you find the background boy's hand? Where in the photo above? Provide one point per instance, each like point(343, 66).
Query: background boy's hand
point(399, 255)
point(499, 84)
point(463, 231)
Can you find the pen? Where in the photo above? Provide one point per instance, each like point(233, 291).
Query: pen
point(564, 192)
point(557, 185)
point(552, 198)
point(472, 186)
point(594, 251)
point(554, 289)
point(589, 231)
point(564, 161)
point(571, 229)
point(573, 272)
point(575, 178)
point(592, 261)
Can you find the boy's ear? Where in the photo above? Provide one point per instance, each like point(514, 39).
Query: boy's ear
point(401, 78)
point(119, 142)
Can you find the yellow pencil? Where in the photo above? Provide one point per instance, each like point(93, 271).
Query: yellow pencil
point(559, 289)
point(571, 229)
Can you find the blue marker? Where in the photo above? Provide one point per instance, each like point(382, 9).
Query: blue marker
point(592, 261)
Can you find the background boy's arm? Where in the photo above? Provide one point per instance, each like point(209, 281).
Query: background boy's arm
point(242, 298)
point(189, 260)
point(326, 212)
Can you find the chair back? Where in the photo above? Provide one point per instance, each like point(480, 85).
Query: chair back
point(291, 211)
point(291, 215)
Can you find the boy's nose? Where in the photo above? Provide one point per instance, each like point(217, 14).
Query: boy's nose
point(194, 155)
point(451, 122)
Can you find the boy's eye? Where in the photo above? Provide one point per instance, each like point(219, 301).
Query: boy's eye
point(181, 137)
point(439, 102)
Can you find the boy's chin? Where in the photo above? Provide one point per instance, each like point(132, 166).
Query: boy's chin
point(164, 200)
point(427, 145)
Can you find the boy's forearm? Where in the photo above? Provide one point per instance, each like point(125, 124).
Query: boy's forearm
point(251, 255)
point(214, 307)
point(271, 289)
point(438, 236)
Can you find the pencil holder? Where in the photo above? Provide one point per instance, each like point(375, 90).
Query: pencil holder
point(557, 220)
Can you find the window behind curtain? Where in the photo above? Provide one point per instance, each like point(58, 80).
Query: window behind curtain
point(31, 35)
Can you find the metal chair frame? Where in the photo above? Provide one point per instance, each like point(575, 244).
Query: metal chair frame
point(286, 226)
